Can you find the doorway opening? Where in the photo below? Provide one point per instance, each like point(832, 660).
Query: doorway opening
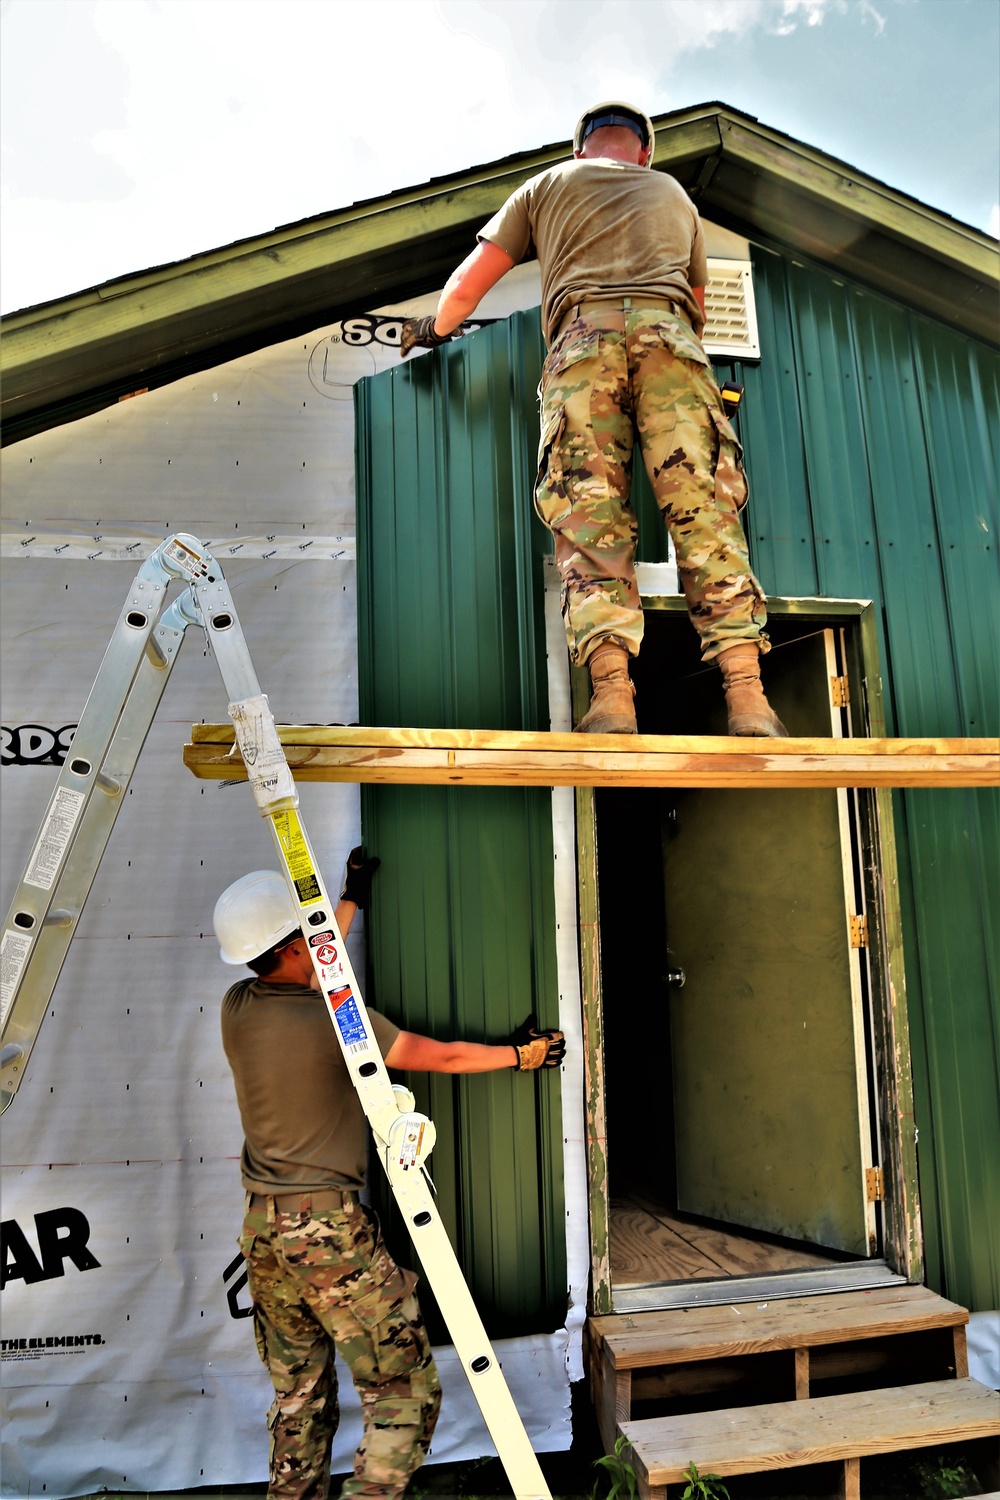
point(739, 991)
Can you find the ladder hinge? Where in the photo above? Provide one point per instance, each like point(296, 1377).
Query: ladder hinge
point(859, 931)
point(840, 692)
point(873, 1184)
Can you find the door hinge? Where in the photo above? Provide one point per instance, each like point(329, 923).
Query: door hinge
point(859, 931)
point(873, 1184)
point(840, 692)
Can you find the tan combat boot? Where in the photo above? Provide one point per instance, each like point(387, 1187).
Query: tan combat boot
point(611, 710)
point(749, 711)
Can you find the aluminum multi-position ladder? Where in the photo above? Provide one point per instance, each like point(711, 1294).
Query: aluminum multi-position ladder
point(64, 861)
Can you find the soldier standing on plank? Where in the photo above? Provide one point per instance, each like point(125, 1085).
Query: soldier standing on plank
point(623, 269)
point(320, 1276)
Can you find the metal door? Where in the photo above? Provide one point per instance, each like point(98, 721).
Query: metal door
point(763, 914)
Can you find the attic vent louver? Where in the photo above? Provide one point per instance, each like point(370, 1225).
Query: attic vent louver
point(730, 314)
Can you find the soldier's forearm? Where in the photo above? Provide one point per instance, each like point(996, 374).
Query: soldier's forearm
point(468, 284)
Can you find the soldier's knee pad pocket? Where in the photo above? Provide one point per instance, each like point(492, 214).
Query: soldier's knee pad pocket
point(732, 489)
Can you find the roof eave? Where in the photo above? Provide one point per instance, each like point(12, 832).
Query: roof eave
point(80, 353)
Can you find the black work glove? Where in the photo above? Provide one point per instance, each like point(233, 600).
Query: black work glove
point(358, 885)
point(418, 333)
point(537, 1049)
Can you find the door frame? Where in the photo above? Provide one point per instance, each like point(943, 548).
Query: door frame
point(901, 1225)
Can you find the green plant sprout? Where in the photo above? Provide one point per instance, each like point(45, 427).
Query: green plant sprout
point(623, 1481)
point(940, 1480)
point(703, 1486)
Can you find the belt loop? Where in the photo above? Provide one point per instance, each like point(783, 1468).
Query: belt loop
point(626, 304)
point(270, 1209)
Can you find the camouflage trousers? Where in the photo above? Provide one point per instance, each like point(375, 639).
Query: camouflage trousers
point(611, 377)
point(326, 1281)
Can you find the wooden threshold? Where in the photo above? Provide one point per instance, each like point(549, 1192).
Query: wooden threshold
point(772, 1286)
point(478, 757)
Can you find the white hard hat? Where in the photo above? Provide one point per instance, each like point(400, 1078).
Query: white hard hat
point(252, 915)
point(615, 112)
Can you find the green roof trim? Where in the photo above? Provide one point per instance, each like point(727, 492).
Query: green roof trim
point(65, 358)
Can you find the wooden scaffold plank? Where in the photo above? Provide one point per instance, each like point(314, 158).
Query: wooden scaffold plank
point(479, 757)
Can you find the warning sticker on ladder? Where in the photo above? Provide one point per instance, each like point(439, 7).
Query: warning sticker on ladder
point(295, 852)
point(57, 830)
point(14, 951)
point(348, 1020)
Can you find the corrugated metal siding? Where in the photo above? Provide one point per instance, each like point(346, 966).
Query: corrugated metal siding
point(871, 436)
point(872, 443)
point(451, 635)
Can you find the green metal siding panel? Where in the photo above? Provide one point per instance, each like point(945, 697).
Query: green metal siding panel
point(892, 478)
point(962, 438)
point(779, 520)
point(872, 441)
point(463, 914)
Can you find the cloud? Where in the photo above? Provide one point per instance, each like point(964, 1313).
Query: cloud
point(868, 10)
point(143, 131)
point(993, 226)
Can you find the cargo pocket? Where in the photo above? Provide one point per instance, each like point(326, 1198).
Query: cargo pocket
point(273, 1413)
point(397, 1411)
point(551, 503)
point(732, 488)
point(260, 1337)
point(390, 1316)
point(560, 380)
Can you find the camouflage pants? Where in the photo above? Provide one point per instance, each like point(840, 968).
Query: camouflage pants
point(609, 377)
point(324, 1281)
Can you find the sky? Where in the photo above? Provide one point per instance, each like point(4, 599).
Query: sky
point(138, 132)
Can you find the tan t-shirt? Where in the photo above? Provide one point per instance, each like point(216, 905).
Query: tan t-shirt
point(604, 229)
point(302, 1118)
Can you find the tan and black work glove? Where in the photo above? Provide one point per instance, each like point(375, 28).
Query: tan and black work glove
point(358, 884)
point(537, 1049)
point(418, 333)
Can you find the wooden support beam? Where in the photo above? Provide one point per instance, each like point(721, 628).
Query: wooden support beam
point(484, 757)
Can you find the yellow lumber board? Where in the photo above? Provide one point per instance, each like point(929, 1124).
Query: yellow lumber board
point(786, 1434)
point(677, 1335)
point(480, 757)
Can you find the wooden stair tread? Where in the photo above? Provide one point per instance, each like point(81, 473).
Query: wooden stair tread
point(676, 1335)
point(786, 1434)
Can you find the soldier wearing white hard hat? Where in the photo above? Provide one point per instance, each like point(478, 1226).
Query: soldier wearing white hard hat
point(319, 1273)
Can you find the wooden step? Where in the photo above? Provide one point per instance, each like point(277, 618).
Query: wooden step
point(825, 1429)
point(638, 1355)
point(488, 757)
